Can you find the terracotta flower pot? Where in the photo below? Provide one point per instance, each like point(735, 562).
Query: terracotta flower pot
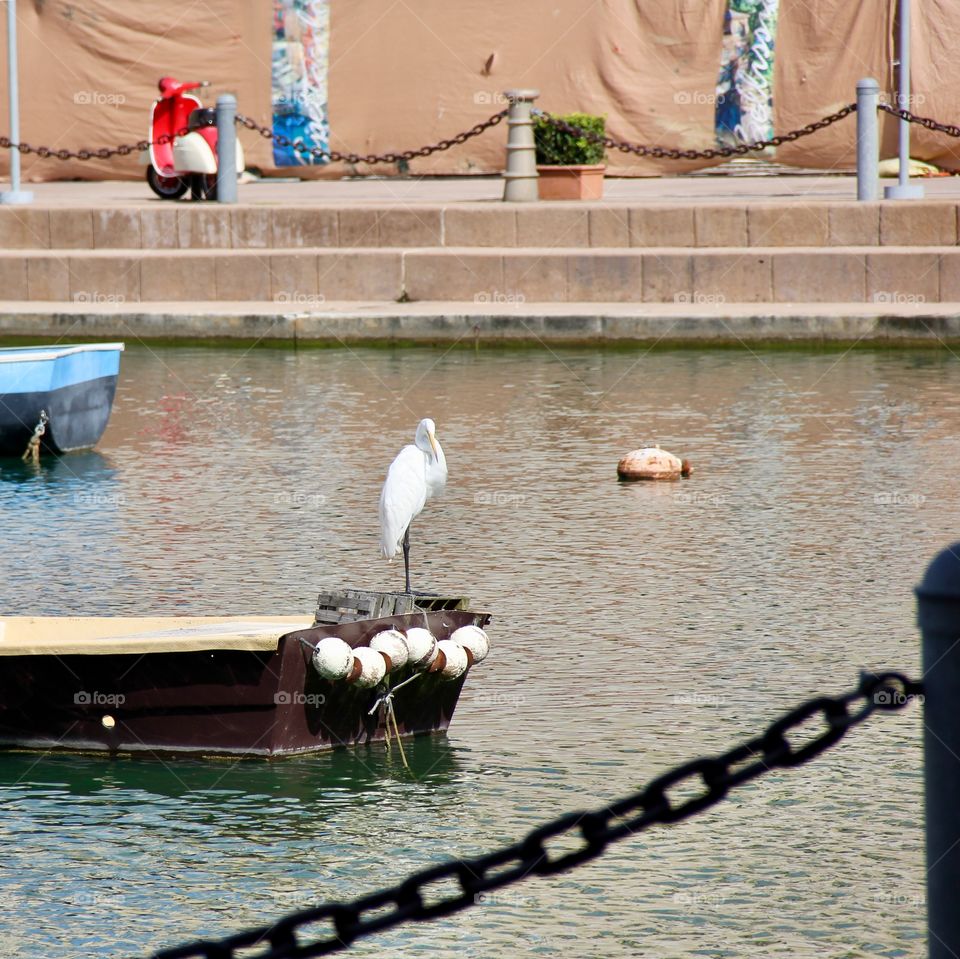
point(580, 182)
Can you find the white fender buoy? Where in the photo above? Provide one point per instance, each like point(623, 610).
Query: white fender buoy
point(391, 643)
point(652, 463)
point(332, 658)
point(422, 647)
point(456, 656)
point(372, 667)
point(474, 639)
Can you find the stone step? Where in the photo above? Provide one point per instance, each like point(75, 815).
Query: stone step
point(172, 226)
point(471, 324)
point(301, 279)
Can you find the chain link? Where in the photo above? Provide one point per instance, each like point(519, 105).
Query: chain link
point(949, 129)
point(670, 154)
point(104, 153)
point(335, 156)
point(712, 779)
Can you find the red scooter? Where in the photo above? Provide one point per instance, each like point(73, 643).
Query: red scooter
point(187, 161)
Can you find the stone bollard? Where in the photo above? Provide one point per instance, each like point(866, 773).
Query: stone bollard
point(226, 148)
point(938, 615)
point(868, 142)
point(520, 176)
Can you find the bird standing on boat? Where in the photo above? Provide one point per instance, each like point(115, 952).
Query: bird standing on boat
point(417, 475)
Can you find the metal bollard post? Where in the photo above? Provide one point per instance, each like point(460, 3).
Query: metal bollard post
point(226, 148)
point(520, 177)
point(903, 189)
point(938, 615)
point(868, 141)
point(15, 194)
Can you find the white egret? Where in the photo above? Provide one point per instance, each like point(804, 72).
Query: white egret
point(417, 475)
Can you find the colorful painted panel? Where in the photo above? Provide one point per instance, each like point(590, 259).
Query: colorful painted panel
point(745, 86)
point(301, 41)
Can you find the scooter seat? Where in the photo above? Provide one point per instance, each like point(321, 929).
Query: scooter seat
point(203, 117)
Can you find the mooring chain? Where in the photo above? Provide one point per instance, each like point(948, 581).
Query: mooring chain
point(371, 158)
point(675, 154)
point(711, 777)
point(104, 153)
point(949, 129)
point(32, 452)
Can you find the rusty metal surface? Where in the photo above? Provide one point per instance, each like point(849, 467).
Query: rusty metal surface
point(222, 702)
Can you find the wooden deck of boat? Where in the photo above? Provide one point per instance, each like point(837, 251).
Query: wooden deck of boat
point(112, 635)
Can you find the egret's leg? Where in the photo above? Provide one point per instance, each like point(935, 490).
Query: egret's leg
point(406, 556)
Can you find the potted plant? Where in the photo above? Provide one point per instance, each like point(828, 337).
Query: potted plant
point(571, 167)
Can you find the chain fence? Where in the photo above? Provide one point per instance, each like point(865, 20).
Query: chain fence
point(371, 158)
point(103, 153)
point(624, 146)
point(949, 129)
point(668, 153)
point(697, 785)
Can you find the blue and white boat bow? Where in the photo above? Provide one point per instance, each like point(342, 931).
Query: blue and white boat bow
point(74, 385)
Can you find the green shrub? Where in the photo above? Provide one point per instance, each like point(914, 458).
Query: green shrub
point(559, 148)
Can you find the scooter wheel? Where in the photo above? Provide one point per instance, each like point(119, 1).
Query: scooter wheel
point(166, 187)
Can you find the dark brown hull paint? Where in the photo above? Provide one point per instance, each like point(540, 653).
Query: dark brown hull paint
point(217, 702)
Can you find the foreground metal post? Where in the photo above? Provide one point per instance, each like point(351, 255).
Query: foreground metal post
point(520, 176)
point(904, 190)
point(938, 615)
point(868, 141)
point(226, 148)
point(14, 194)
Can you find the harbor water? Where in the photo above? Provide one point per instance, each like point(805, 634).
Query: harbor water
point(636, 626)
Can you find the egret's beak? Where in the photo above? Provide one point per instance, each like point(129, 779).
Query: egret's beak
point(433, 444)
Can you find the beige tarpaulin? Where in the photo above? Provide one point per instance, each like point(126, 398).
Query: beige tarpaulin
point(404, 74)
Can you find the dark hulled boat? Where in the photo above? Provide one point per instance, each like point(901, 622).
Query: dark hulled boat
point(237, 686)
point(73, 385)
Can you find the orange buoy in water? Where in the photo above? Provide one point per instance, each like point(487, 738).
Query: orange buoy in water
point(652, 463)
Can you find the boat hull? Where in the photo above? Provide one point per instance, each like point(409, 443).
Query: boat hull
point(246, 703)
point(78, 416)
point(73, 385)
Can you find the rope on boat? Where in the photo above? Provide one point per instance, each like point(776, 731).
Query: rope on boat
point(32, 452)
point(385, 702)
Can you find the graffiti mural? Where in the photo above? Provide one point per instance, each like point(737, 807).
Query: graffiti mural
point(301, 41)
point(745, 85)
